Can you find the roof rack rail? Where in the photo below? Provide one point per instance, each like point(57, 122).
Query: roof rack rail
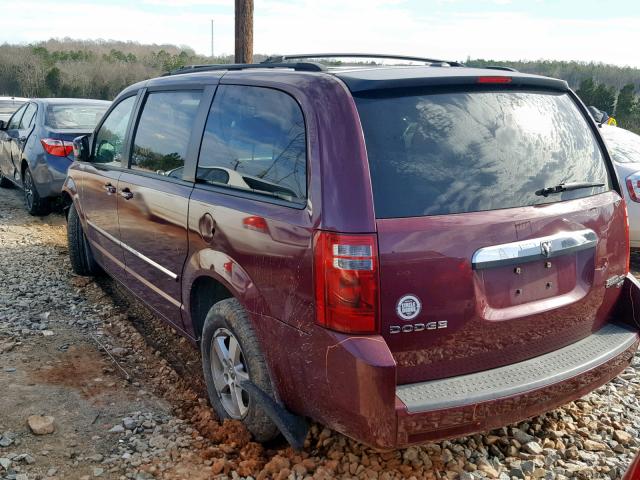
point(298, 66)
point(284, 58)
point(501, 67)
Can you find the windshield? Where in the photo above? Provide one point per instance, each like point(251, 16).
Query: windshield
point(623, 145)
point(457, 152)
point(74, 117)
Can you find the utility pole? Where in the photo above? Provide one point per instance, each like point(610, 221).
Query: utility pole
point(244, 31)
point(212, 38)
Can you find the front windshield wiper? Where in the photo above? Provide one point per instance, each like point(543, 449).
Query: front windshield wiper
point(565, 187)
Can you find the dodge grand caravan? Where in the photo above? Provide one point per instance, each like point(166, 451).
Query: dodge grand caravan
point(402, 253)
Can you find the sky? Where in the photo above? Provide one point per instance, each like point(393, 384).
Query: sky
point(586, 30)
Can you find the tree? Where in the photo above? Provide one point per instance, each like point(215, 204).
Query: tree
point(626, 102)
point(604, 98)
point(53, 81)
point(587, 90)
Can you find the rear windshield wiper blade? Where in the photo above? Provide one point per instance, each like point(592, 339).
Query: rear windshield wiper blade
point(565, 187)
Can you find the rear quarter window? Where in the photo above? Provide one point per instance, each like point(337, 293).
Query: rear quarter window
point(255, 141)
point(467, 151)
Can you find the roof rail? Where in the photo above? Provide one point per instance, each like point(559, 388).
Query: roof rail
point(284, 58)
point(299, 66)
point(501, 67)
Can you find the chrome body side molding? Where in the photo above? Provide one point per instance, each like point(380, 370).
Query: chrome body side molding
point(133, 251)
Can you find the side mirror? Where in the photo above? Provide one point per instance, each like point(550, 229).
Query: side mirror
point(3, 125)
point(81, 148)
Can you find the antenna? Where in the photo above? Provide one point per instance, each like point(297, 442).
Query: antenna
point(212, 38)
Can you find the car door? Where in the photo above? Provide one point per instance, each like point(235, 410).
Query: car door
point(251, 194)
point(99, 183)
point(153, 205)
point(18, 141)
point(6, 137)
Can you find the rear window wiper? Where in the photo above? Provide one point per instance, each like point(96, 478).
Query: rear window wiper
point(565, 187)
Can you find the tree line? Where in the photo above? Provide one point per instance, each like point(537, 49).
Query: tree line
point(101, 69)
point(87, 69)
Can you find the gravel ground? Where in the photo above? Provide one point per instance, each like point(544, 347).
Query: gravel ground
point(70, 410)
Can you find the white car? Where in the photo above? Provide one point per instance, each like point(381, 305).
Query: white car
point(624, 147)
point(8, 105)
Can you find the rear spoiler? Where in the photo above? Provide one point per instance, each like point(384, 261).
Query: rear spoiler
point(415, 77)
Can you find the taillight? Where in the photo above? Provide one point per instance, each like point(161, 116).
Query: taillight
point(633, 186)
point(495, 79)
point(57, 148)
point(346, 281)
point(259, 224)
point(627, 238)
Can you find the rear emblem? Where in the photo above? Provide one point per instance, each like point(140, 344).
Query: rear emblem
point(408, 307)
point(546, 248)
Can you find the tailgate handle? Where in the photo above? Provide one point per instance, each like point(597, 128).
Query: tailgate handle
point(534, 249)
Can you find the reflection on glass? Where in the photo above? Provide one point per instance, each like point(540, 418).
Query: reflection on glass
point(255, 140)
point(463, 152)
point(163, 132)
point(110, 137)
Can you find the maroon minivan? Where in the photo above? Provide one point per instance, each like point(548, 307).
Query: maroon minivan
point(403, 253)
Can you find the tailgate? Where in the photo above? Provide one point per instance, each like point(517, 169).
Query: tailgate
point(515, 301)
point(498, 225)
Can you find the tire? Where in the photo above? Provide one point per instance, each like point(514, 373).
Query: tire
point(35, 205)
point(4, 181)
point(82, 261)
point(227, 322)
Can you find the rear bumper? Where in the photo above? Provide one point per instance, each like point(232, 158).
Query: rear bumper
point(475, 403)
point(49, 175)
point(494, 398)
point(349, 383)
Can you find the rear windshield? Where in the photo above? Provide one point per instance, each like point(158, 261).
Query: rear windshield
point(74, 117)
point(7, 107)
point(456, 152)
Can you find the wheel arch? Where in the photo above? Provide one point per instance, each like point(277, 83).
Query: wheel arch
point(210, 275)
point(69, 194)
point(204, 293)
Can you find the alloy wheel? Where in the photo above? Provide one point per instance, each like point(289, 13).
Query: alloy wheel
point(28, 190)
point(229, 369)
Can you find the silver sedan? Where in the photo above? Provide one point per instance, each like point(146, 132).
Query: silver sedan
point(624, 147)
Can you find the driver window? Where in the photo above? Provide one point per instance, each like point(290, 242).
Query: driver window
point(109, 144)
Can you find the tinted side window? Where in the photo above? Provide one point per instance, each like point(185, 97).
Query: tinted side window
point(29, 115)
point(110, 137)
point(15, 120)
point(163, 132)
point(255, 140)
